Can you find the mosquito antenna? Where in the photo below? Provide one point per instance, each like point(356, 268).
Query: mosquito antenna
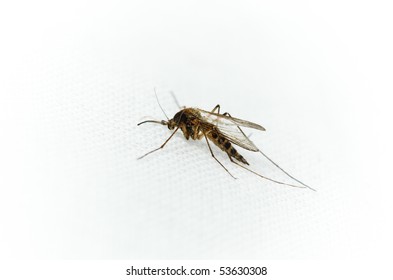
point(160, 105)
point(175, 99)
point(290, 176)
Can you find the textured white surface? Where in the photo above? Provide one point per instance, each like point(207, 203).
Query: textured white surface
point(77, 78)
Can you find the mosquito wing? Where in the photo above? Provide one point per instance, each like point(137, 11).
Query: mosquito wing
point(223, 120)
point(237, 137)
point(229, 127)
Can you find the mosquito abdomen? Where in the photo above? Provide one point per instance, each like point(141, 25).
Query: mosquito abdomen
point(224, 144)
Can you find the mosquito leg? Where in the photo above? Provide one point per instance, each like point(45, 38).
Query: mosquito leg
point(275, 164)
point(289, 175)
point(177, 102)
point(229, 115)
point(211, 151)
point(216, 108)
point(162, 146)
point(266, 178)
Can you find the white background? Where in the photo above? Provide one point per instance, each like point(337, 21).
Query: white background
point(76, 77)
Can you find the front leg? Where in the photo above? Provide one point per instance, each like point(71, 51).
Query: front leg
point(162, 146)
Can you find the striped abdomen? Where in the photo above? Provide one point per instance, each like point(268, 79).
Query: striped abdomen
point(224, 144)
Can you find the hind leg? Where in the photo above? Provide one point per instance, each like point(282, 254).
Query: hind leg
point(263, 177)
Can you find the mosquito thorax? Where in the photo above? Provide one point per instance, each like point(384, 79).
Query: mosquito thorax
point(179, 117)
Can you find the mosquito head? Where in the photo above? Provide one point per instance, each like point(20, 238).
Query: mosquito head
point(171, 124)
point(178, 119)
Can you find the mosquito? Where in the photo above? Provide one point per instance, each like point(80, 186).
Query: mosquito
point(222, 130)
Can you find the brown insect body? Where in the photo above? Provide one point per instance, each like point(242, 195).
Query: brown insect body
point(221, 129)
point(189, 120)
point(225, 145)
